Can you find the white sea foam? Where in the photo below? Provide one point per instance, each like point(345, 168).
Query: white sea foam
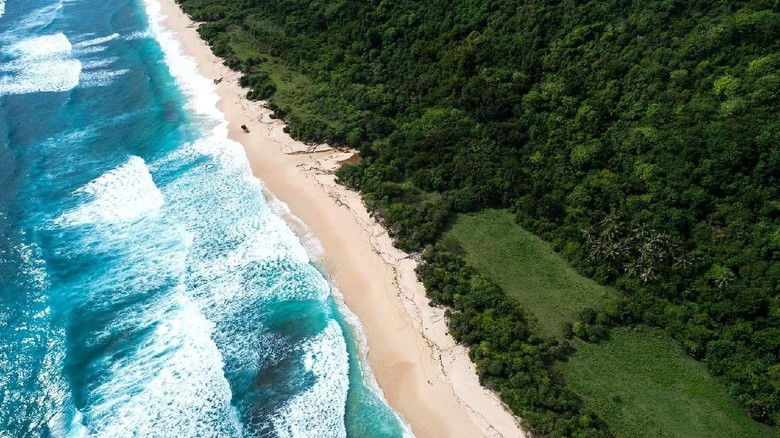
point(98, 63)
point(171, 385)
point(93, 72)
point(200, 92)
point(310, 242)
point(320, 410)
point(145, 262)
point(91, 50)
point(139, 35)
point(76, 429)
point(43, 46)
point(46, 76)
point(100, 78)
point(36, 19)
point(2, 8)
point(40, 64)
point(96, 41)
point(265, 234)
point(124, 194)
point(256, 234)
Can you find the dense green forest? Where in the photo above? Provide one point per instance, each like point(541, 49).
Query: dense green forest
point(642, 139)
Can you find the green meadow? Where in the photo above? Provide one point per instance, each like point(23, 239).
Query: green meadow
point(526, 268)
point(642, 384)
point(638, 381)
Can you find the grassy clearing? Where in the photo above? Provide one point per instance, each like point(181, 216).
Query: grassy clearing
point(643, 385)
point(526, 268)
point(639, 381)
point(295, 91)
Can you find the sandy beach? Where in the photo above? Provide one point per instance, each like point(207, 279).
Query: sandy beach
point(425, 376)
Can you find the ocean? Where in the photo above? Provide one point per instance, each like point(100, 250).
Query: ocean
point(147, 287)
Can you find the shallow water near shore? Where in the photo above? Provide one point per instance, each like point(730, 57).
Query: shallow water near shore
point(146, 286)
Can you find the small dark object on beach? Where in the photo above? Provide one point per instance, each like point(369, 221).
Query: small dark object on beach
point(244, 128)
point(218, 80)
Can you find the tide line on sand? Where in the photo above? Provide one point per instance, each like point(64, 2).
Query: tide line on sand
point(424, 375)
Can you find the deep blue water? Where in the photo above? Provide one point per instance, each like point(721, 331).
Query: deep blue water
point(146, 286)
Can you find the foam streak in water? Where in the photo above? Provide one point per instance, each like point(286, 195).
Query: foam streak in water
point(124, 194)
point(39, 18)
point(96, 41)
point(320, 410)
point(172, 385)
point(39, 64)
point(100, 78)
point(201, 95)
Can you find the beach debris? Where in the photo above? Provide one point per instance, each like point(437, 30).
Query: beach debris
point(217, 80)
point(244, 128)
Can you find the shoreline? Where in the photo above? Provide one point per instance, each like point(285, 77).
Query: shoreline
point(424, 375)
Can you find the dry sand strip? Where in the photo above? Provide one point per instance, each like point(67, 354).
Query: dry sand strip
point(424, 374)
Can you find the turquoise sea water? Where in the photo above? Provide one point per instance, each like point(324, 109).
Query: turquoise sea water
point(146, 286)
